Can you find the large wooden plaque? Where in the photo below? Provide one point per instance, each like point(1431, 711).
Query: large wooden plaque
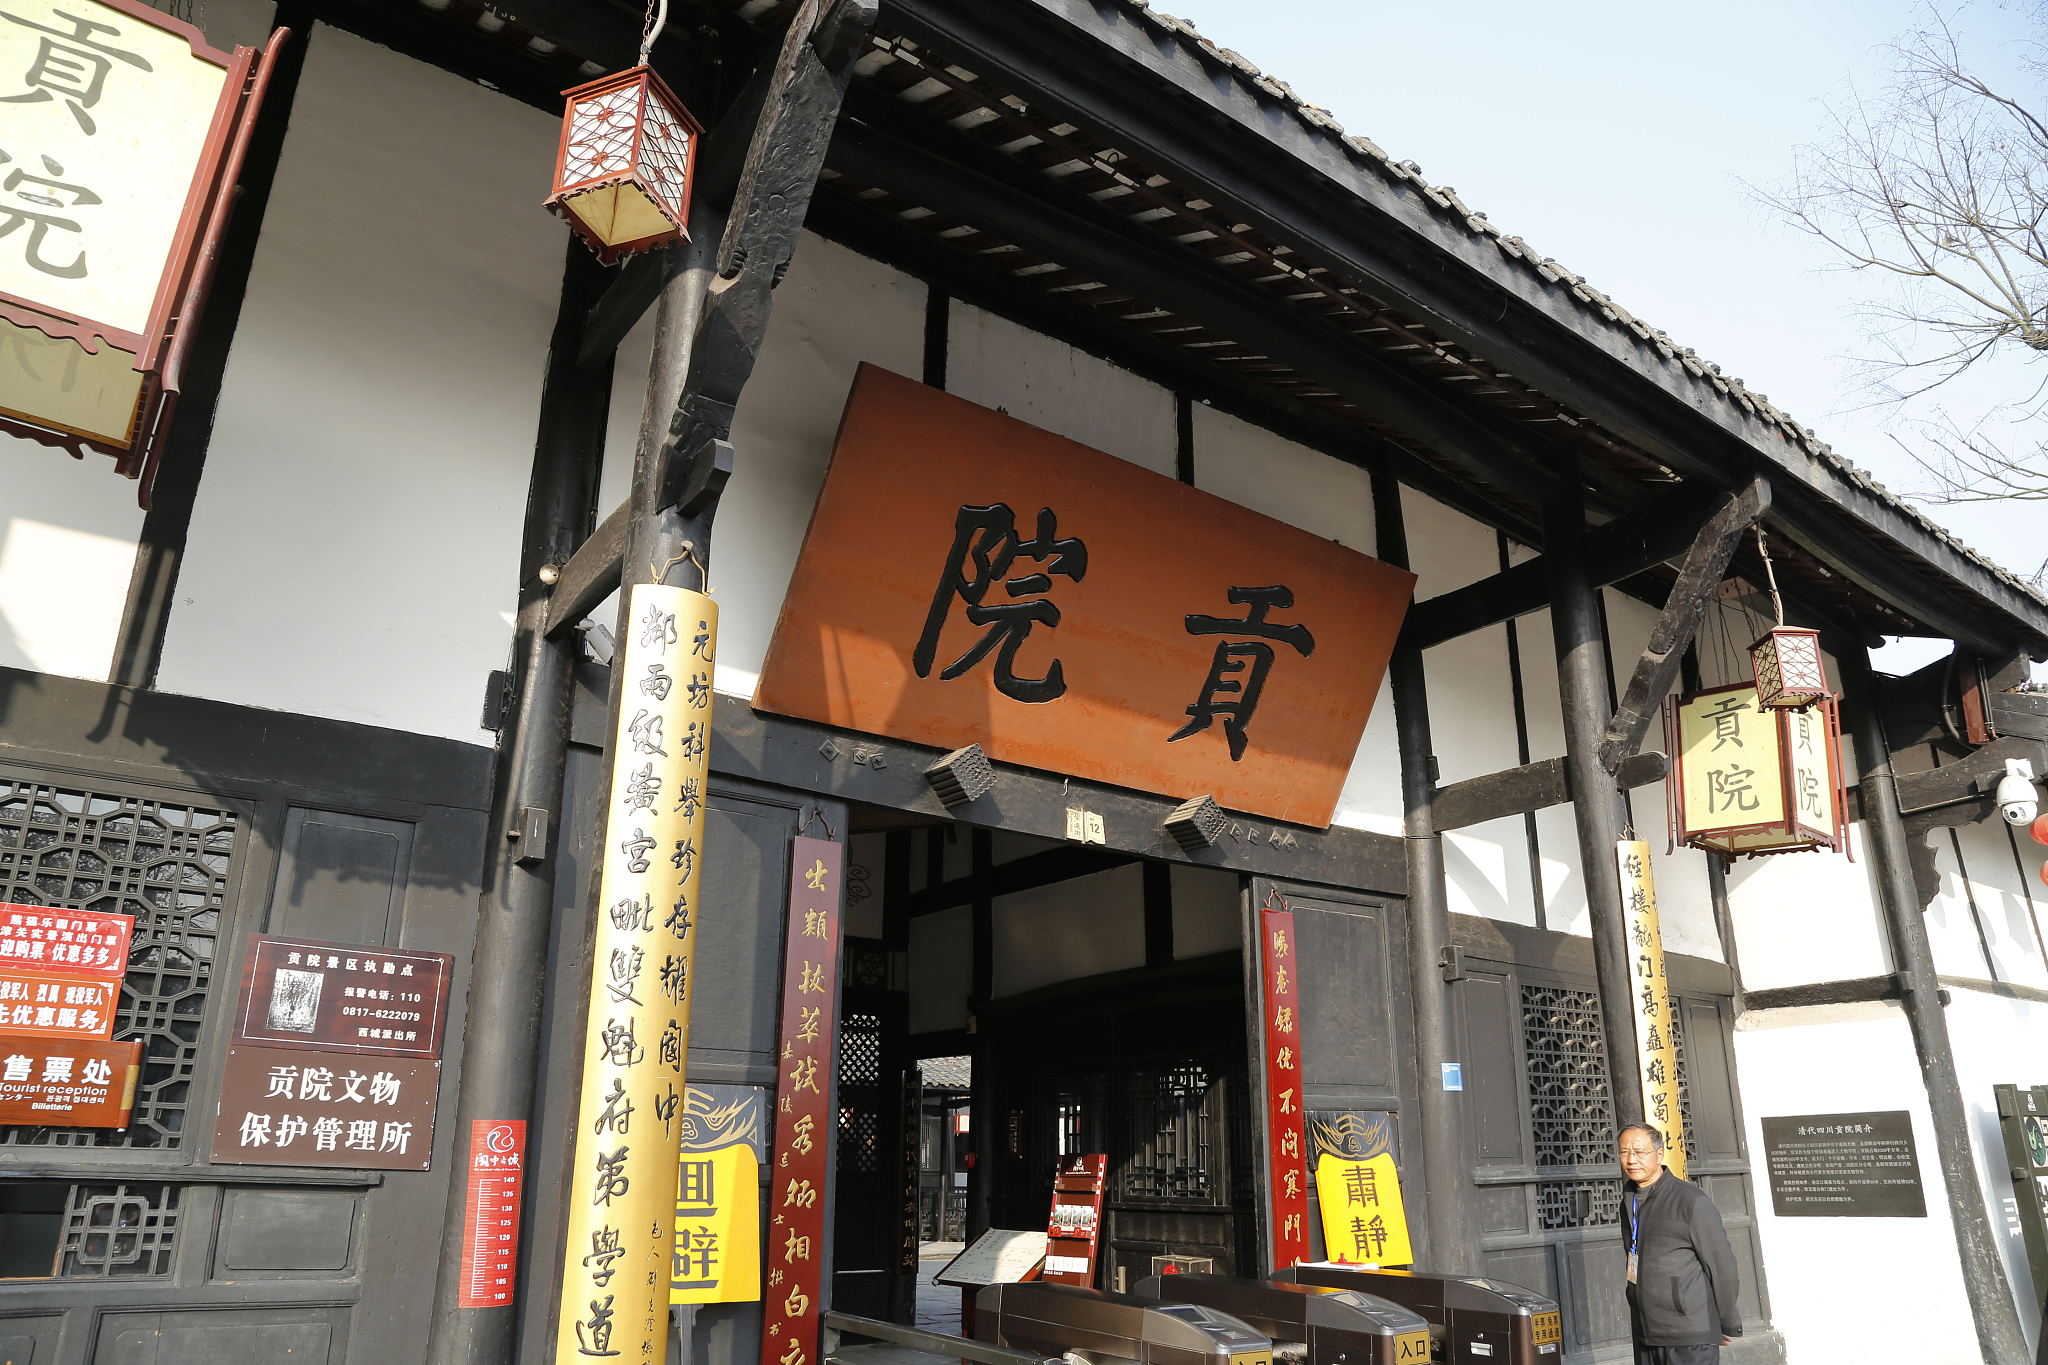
point(969, 578)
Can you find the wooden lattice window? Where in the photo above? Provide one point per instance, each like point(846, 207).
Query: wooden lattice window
point(167, 864)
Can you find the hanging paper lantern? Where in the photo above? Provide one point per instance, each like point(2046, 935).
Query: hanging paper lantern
point(1747, 780)
point(1789, 673)
point(2039, 829)
point(628, 153)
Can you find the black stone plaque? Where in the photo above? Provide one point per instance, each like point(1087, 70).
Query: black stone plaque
point(1844, 1166)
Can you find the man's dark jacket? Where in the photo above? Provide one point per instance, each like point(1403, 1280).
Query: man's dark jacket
point(1685, 1288)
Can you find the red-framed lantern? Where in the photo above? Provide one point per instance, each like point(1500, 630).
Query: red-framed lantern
point(625, 164)
point(1789, 673)
point(1747, 780)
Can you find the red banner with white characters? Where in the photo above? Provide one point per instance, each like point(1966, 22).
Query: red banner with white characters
point(803, 1104)
point(48, 938)
point(1281, 999)
point(490, 1230)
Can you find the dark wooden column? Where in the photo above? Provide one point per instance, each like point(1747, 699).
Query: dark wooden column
point(1585, 692)
point(1999, 1336)
point(1441, 1155)
point(501, 1036)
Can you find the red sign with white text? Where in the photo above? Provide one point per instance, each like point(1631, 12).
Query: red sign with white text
point(803, 1115)
point(57, 1005)
point(1289, 1169)
point(47, 938)
point(490, 1230)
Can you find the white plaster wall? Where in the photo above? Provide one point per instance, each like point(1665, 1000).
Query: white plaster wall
point(833, 310)
point(1207, 917)
point(67, 548)
point(1081, 927)
point(1806, 917)
point(1274, 476)
point(996, 363)
point(1882, 1279)
point(1471, 712)
point(1371, 798)
point(2005, 905)
point(354, 548)
point(1999, 1041)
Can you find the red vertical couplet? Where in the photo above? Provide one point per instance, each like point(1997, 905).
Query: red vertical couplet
point(490, 1227)
point(1282, 998)
point(803, 1110)
point(1073, 1231)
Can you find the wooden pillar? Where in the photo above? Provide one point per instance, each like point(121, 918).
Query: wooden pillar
point(501, 1038)
point(711, 321)
point(1441, 1155)
point(1999, 1336)
point(1585, 695)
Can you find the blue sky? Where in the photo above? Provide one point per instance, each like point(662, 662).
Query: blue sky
point(1617, 138)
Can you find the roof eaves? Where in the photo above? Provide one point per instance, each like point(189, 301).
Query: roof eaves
point(1742, 409)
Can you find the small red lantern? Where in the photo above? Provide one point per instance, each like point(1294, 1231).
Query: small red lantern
point(1789, 673)
point(2039, 829)
point(628, 153)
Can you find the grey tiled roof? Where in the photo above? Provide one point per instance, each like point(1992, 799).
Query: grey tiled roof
point(1558, 278)
point(947, 1073)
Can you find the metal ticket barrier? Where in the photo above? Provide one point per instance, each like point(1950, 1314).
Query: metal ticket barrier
point(1472, 1319)
point(1092, 1326)
point(1309, 1325)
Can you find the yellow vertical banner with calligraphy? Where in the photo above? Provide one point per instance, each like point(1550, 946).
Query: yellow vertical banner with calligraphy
point(617, 1261)
point(1364, 1220)
point(1650, 1001)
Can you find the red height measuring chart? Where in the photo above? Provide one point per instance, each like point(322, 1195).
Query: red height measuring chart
point(490, 1233)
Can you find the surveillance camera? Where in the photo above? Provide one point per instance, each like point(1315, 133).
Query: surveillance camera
point(2017, 800)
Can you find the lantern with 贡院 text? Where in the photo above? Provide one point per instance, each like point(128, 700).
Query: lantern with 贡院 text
point(1748, 780)
point(622, 176)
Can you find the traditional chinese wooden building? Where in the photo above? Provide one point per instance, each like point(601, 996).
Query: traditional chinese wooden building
point(1194, 604)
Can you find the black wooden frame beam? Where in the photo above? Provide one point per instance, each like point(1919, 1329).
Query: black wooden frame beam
point(1531, 787)
point(1619, 549)
point(1103, 68)
point(1035, 217)
point(592, 573)
point(1698, 580)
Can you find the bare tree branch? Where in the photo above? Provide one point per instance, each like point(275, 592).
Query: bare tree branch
point(1937, 183)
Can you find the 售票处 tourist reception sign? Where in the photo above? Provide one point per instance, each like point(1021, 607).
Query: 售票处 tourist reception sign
point(120, 142)
point(970, 579)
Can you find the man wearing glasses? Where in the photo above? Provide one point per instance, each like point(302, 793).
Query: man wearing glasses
point(1681, 1271)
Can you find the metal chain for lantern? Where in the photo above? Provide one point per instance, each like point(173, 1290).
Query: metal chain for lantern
point(1786, 659)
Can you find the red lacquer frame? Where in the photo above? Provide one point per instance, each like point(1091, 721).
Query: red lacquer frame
point(160, 352)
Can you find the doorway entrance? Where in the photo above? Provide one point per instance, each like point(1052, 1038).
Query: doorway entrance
point(1025, 999)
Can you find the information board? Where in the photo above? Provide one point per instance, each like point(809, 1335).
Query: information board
point(998, 1256)
point(1074, 1227)
point(1844, 1166)
point(342, 997)
point(290, 1107)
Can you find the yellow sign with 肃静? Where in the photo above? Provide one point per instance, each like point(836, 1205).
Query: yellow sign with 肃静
point(1364, 1221)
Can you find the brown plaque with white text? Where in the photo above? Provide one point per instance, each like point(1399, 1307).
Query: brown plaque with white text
point(288, 1107)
